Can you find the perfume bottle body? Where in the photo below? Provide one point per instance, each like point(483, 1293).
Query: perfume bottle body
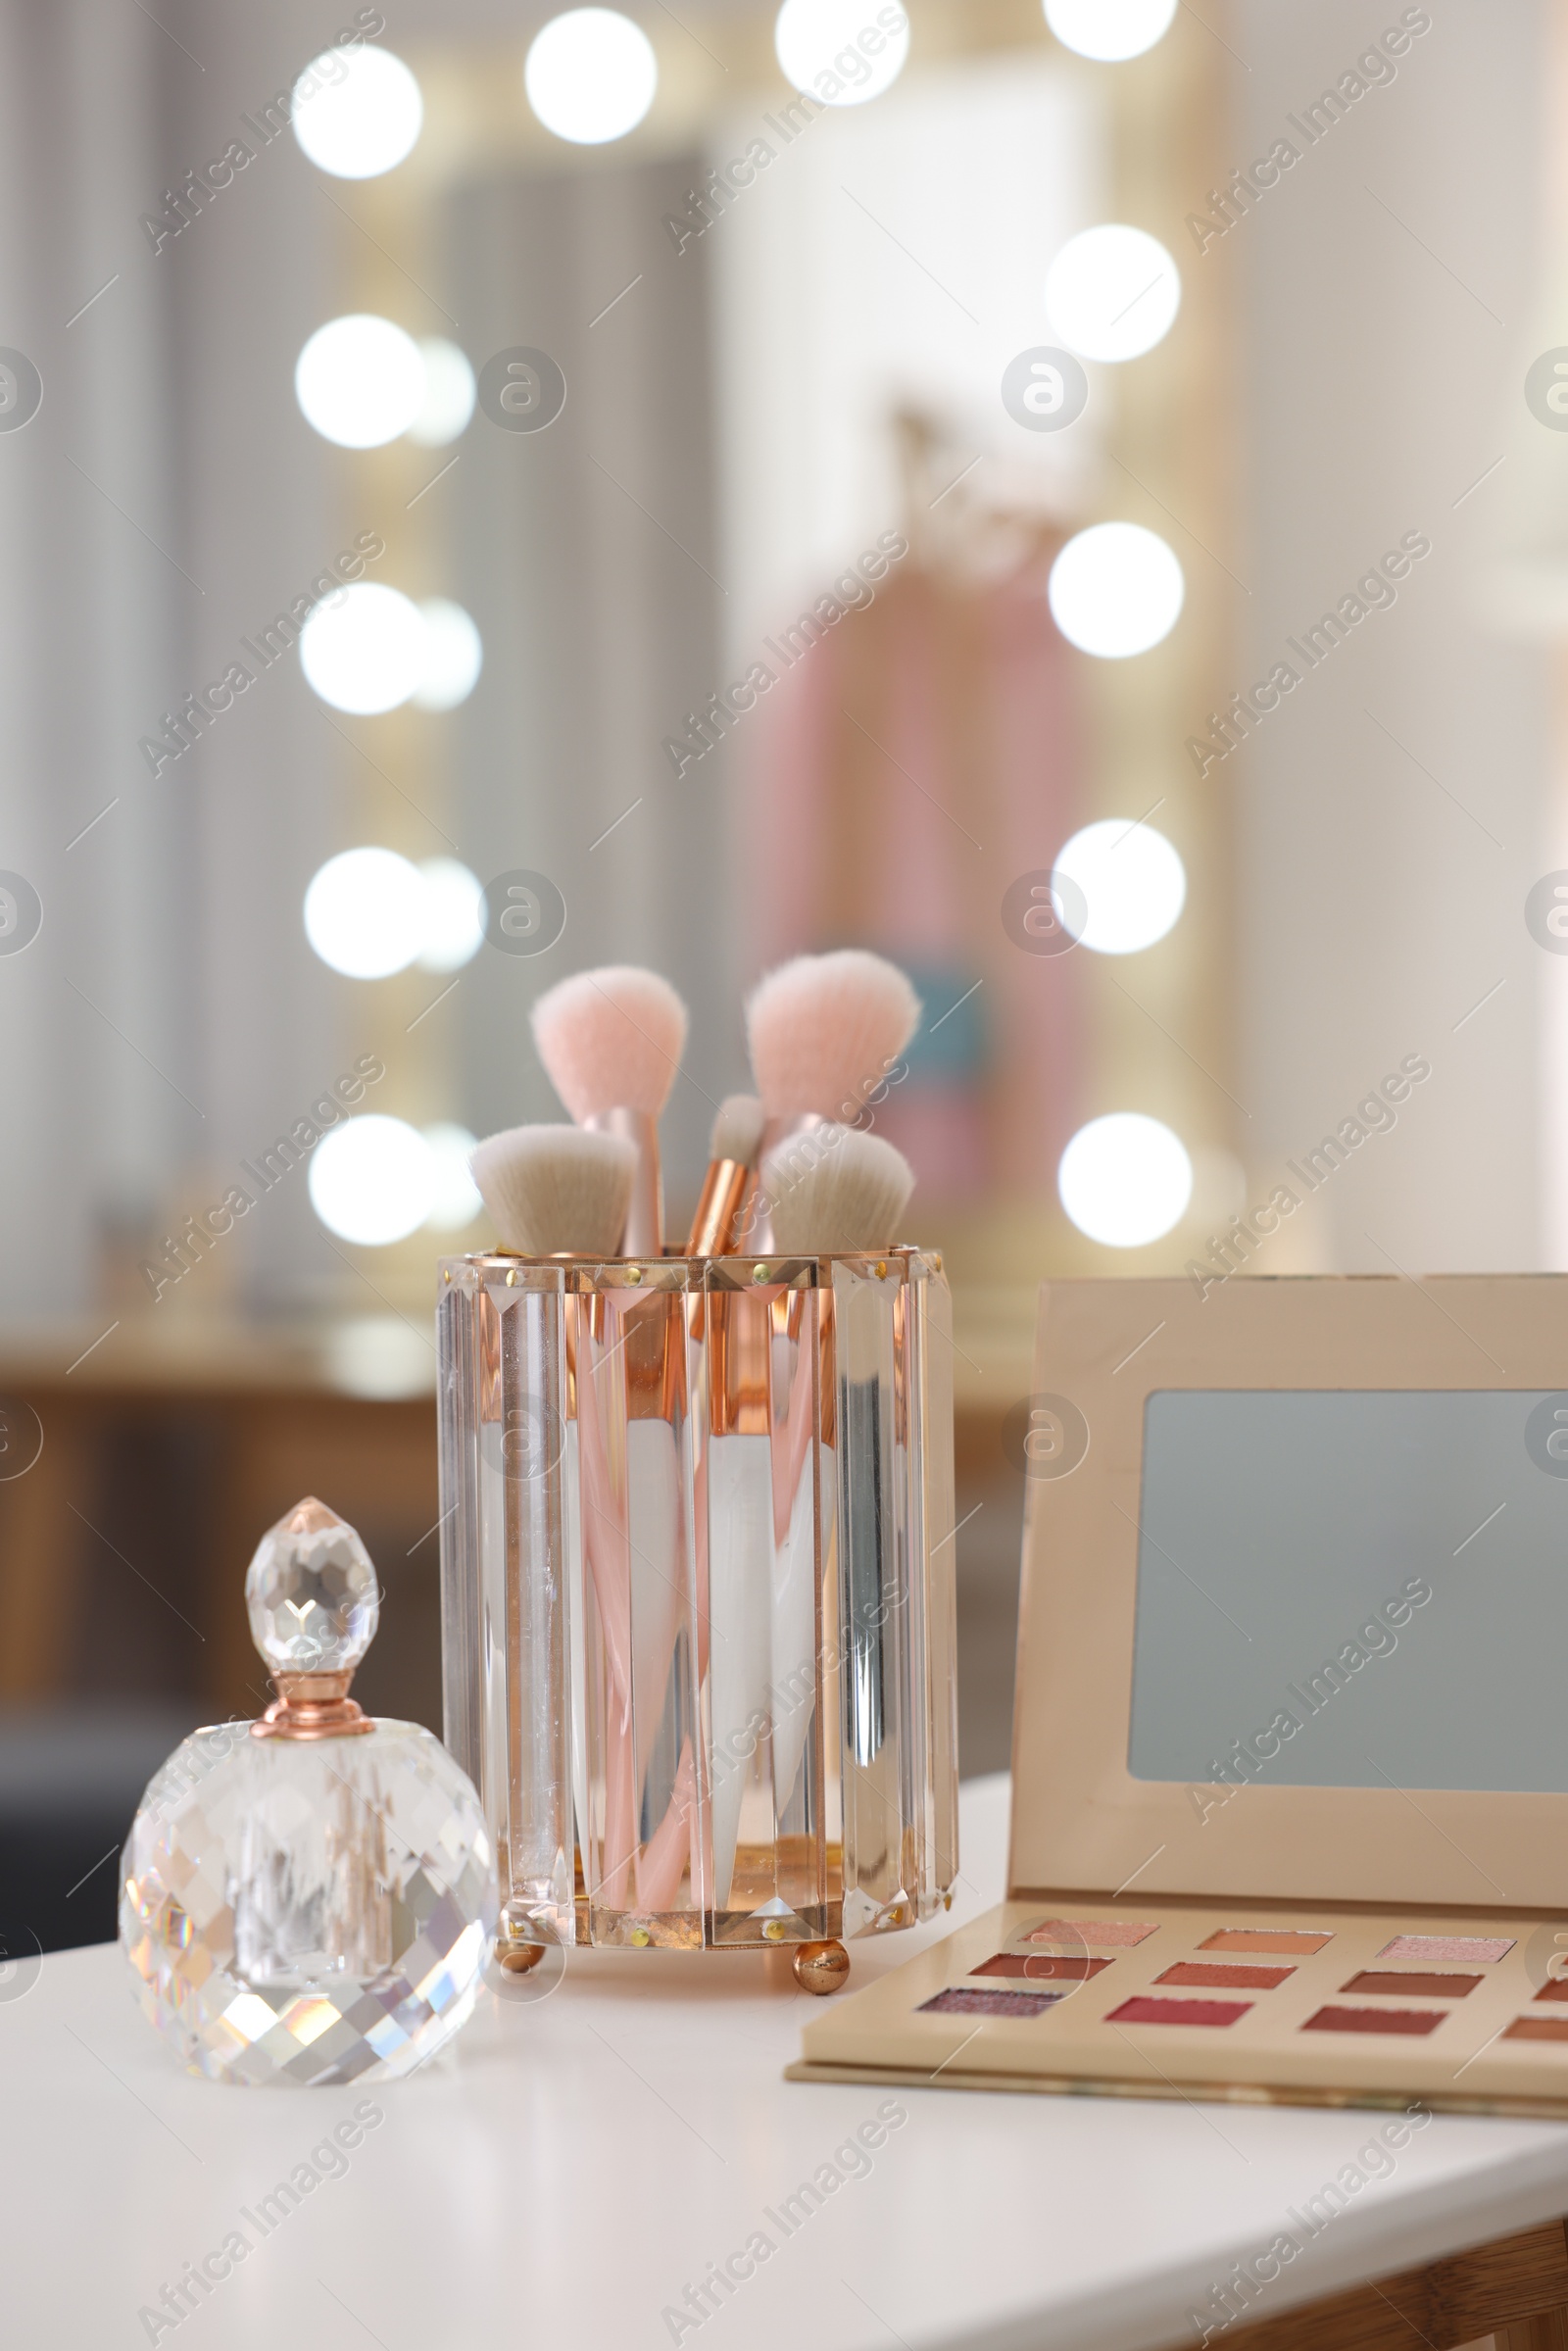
point(307, 1910)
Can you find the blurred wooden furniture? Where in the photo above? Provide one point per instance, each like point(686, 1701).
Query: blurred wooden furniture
point(346, 1409)
point(1518, 2288)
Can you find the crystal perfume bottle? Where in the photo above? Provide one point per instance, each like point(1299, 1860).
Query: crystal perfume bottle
point(310, 1898)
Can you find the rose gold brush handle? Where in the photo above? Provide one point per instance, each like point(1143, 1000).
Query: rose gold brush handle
point(644, 1236)
point(721, 1209)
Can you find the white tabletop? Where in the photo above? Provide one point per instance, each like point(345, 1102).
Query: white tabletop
point(597, 2140)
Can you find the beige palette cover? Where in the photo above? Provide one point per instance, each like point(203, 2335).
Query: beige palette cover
point(1067, 1996)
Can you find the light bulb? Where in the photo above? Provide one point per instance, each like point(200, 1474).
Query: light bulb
point(367, 912)
point(454, 656)
point(449, 394)
point(365, 652)
point(1125, 1180)
point(1116, 590)
point(359, 380)
point(1132, 886)
point(454, 915)
point(1112, 292)
point(1110, 31)
point(356, 111)
point(372, 1180)
point(840, 52)
point(457, 1201)
point(591, 76)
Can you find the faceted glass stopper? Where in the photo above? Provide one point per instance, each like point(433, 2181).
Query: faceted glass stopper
point(312, 1593)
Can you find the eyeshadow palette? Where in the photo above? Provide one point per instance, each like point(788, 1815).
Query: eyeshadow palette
point(1290, 1814)
point(1138, 2006)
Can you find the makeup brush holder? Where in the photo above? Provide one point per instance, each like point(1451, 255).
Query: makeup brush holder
point(696, 1567)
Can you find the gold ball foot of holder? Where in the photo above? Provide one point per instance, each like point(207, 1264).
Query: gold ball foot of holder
point(518, 1958)
point(820, 1968)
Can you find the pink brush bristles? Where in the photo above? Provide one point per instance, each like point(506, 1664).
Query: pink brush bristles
point(825, 1030)
point(610, 1039)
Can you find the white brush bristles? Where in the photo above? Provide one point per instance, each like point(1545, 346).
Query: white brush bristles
point(825, 1030)
point(610, 1039)
point(555, 1189)
point(833, 1189)
point(738, 1130)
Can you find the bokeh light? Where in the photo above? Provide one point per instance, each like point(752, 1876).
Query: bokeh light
point(1125, 1180)
point(366, 651)
point(1116, 590)
point(374, 1180)
point(359, 380)
point(449, 393)
point(455, 1200)
point(1133, 886)
point(356, 111)
point(1112, 292)
point(453, 659)
point(837, 51)
point(1110, 31)
point(591, 76)
point(454, 914)
point(365, 912)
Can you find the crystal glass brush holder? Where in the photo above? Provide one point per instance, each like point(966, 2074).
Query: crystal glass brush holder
point(696, 1567)
point(310, 1898)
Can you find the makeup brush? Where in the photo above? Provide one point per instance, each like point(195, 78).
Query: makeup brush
point(611, 1041)
point(835, 1189)
point(824, 1031)
point(556, 1189)
point(733, 1150)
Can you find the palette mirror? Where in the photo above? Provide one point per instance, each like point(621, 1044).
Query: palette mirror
point(1349, 1588)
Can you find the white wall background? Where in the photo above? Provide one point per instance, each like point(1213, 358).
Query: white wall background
point(1392, 816)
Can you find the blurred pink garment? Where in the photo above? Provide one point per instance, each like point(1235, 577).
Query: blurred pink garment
point(905, 772)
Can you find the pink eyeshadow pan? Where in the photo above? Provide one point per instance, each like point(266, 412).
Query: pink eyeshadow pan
point(961, 1999)
point(1119, 1935)
point(1465, 1949)
point(1282, 1940)
point(1178, 2012)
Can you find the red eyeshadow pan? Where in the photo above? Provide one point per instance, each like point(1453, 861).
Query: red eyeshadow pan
point(1537, 2028)
point(1420, 1987)
point(959, 2000)
point(1117, 1935)
point(1178, 2012)
point(1299, 1940)
point(1220, 1978)
point(1043, 1967)
point(1374, 2020)
point(1554, 1989)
